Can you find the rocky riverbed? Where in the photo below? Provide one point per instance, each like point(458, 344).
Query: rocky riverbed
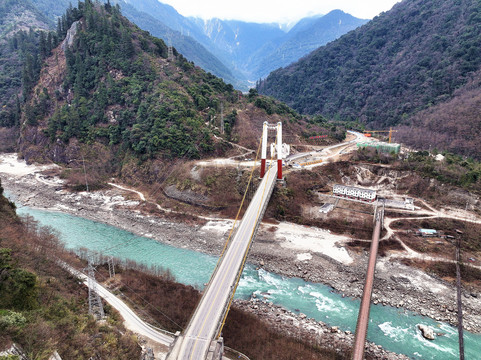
point(310, 330)
point(395, 284)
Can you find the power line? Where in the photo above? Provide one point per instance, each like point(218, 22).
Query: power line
point(95, 304)
point(145, 301)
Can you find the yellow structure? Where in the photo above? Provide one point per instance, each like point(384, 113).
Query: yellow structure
point(390, 131)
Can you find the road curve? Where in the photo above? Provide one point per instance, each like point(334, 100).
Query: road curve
point(131, 320)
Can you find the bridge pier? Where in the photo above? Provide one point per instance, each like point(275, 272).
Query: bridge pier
point(264, 148)
point(279, 151)
point(216, 349)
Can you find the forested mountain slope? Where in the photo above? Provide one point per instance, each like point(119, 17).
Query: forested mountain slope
point(110, 94)
point(161, 21)
point(19, 22)
point(401, 62)
point(114, 82)
point(453, 125)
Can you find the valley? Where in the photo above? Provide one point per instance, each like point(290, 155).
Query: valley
point(223, 178)
point(314, 254)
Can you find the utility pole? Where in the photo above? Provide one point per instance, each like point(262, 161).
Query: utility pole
point(85, 174)
point(110, 263)
point(95, 304)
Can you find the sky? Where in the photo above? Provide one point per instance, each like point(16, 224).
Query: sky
point(281, 11)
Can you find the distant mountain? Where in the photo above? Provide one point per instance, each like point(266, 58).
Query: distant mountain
point(402, 61)
point(258, 49)
point(237, 51)
point(186, 45)
point(237, 42)
point(305, 23)
point(18, 15)
point(115, 95)
point(165, 14)
point(248, 50)
point(53, 9)
point(306, 36)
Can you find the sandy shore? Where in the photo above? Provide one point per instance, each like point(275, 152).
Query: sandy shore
point(288, 249)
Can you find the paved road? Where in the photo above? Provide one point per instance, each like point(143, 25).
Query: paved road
point(131, 320)
point(359, 137)
point(195, 342)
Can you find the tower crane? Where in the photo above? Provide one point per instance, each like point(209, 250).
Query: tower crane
point(390, 131)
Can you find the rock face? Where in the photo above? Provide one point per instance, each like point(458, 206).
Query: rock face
point(35, 146)
point(68, 42)
point(427, 332)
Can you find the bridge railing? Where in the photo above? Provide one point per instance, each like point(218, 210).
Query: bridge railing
point(166, 332)
point(267, 195)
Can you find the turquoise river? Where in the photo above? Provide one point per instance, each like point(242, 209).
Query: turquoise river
point(394, 329)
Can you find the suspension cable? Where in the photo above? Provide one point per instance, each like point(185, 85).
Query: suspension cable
point(246, 253)
point(240, 207)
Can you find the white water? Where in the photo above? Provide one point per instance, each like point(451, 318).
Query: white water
point(394, 329)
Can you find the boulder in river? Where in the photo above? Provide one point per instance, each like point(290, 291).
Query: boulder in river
point(427, 332)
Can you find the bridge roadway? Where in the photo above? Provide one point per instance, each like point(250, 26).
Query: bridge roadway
point(196, 339)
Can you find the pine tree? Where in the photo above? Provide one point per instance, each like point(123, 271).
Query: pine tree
point(42, 45)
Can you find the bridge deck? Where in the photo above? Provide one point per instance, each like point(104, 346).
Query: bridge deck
point(205, 323)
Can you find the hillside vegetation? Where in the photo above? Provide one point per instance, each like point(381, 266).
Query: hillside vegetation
point(403, 61)
point(453, 125)
point(114, 84)
point(43, 308)
point(20, 23)
point(112, 100)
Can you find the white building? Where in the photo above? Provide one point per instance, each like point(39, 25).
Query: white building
point(354, 193)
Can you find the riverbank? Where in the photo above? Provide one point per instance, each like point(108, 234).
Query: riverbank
point(308, 329)
point(286, 249)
